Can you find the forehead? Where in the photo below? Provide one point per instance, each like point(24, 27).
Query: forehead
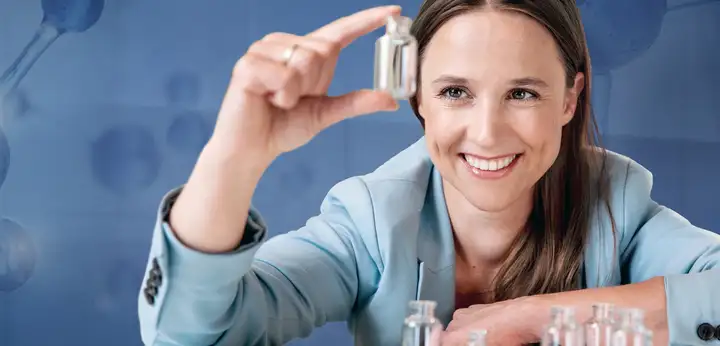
point(490, 43)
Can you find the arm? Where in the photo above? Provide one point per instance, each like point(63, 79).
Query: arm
point(671, 266)
point(262, 295)
point(204, 283)
point(648, 295)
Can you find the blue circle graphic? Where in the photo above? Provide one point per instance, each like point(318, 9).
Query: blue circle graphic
point(72, 15)
point(619, 31)
point(18, 255)
point(125, 159)
point(183, 89)
point(4, 157)
point(188, 133)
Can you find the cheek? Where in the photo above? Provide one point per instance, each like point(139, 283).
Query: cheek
point(443, 126)
point(540, 127)
point(543, 135)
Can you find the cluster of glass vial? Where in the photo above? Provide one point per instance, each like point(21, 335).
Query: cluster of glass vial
point(422, 328)
point(608, 326)
point(396, 56)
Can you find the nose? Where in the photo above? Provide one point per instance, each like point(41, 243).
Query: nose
point(486, 124)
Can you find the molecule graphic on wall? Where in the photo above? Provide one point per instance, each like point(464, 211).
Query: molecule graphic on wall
point(618, 32)
point(59, 17)
point(125, 158)
point(188, 131)
point(17, 250)
point(17, 255)
point(119, 286)
point(15, 105)
point(4, 157)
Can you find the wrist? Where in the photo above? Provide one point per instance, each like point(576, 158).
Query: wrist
point(248, 160)
point(206, 215)
point(536, 312)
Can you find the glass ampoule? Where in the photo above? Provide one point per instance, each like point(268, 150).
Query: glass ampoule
point(421, 327)
point(630, 328)
point(396, 55)
point(477, 338)
point(563, 329)
point(598, 328)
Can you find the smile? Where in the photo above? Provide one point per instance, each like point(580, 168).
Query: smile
point(496, 167)
point(496, 164)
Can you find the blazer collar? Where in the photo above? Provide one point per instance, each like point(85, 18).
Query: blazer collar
point(436, 252)
point(436, 244)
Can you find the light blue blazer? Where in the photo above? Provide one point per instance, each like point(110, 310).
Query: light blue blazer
point(384, 239)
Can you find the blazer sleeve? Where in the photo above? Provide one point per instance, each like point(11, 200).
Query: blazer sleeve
point(660, 242)
point(265, 292)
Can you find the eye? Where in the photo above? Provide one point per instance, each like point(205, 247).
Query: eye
point(522, 95)
point(452, 93)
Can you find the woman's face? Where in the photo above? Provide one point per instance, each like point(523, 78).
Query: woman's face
point(494, 99)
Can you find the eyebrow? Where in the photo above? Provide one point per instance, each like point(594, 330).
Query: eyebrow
point(529, 81)
point(525, 81)
point(451, 80)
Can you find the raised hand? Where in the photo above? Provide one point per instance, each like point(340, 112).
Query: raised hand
point(277, 98)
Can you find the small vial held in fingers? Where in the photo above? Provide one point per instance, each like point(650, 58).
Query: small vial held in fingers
point(396, 55)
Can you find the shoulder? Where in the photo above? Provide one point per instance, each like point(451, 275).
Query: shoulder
point(629, 182)
point(629, 190)
point(648, 231)
point(386, 203)
point(411, 166)
point(398, 185)
point(631, 204)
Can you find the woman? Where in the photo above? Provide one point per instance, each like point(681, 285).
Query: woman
point(502, 210)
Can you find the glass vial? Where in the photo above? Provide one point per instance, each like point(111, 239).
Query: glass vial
point(421, 328)
point(630, 329)
point(599, 328)
point(396, 59)
point(477, 338)
point(563, 329)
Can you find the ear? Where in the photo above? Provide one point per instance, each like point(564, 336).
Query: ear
point(571, 98)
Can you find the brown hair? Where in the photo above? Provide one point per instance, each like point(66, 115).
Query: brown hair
point(549, 257)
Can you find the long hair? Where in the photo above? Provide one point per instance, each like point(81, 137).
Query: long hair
point(549, 257)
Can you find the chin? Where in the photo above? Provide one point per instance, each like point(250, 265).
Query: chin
point(495, 193)
point(490, 203)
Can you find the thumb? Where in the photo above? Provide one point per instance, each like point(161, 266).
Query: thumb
point(436, 336)
point(328, 110)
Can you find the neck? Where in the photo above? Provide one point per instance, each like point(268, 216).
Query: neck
point(483, 238)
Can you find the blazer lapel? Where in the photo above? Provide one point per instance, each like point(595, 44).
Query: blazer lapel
point(436, 252)
point(600, 262)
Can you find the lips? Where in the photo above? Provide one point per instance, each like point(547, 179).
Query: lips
point(490, 165)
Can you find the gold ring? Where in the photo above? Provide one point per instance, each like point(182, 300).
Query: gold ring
point(288, 54)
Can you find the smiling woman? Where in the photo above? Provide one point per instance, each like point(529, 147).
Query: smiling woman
point(504, 94)
point(504, 208)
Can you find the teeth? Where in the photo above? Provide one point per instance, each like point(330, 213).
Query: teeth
point(490, 165)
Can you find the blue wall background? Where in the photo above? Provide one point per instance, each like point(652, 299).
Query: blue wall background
point(108, 119)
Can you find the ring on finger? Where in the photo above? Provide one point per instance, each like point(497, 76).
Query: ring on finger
point(289, 53)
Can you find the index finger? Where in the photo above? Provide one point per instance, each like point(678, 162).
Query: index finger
point(345, 30)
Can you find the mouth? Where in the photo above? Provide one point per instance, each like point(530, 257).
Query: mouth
point(490, 168)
